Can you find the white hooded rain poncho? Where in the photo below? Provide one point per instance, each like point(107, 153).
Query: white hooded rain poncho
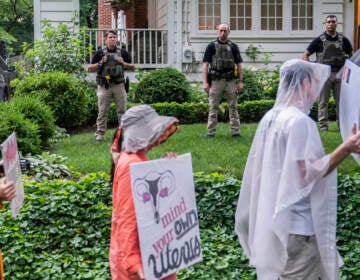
point(285, 172)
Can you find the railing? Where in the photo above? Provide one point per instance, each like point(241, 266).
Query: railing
point(148, 48)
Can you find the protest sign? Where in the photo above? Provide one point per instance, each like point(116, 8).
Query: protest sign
point(12, 170)
point(349, 107)
point(165, 206)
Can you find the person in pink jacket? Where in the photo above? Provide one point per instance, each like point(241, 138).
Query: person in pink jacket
point(141, 129)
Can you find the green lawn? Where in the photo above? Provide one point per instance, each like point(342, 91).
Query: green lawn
point(223, 153)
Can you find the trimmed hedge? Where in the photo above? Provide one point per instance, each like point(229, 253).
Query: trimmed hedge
point(187, 113)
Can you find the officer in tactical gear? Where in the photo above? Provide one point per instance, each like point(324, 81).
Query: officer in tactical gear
point(221, 68)
point(333, 49)
point(110, 63)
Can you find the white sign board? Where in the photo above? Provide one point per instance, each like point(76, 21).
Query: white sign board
point(12, 170)
point(349, 107)
point(166, 213)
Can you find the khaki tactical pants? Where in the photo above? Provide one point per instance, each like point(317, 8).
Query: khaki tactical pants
point(331, 84)
point(304, 259)
point(105, 96)
point(217, 88)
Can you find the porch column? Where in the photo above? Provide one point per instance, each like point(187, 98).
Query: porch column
point(175, 33)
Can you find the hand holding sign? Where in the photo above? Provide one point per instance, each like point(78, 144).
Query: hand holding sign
point(7, 189)
point(12, 170)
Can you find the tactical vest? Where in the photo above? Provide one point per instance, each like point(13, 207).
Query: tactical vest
point(222, 62)
point(112, 71)
point(333, 53)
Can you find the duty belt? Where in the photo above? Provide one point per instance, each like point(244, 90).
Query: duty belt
point(219, 75)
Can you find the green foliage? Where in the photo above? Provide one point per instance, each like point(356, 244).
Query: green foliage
point(33, 109)
point(222, 258)
point(253, 111)
point(47, 167)
point(252, 52)
point(91, 108)
point(349, 225)
point(65, 94)
point(185, 113)
point(252, 88)
point(250, 111)
point(59, 135)
point(163, 85)
point(216, 196)
point(16, 23)
point(27, 132)
point(259, 84)
point(59, 49)
point(198, 95)
point(62, 231)
point(89, 13)
point(270, 82)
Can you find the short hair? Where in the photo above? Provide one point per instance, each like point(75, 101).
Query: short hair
point(224, 23)
point(331, 16)
point(110, 31)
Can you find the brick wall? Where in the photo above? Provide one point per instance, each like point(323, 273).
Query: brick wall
point(104, 12)
point(136, 13)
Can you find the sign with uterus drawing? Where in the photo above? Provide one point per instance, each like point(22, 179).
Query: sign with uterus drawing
point(167, 220)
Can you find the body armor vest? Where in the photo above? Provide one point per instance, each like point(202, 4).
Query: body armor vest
point(111, 71)
point(333, 53)
point(223, 59)
point(222, 62)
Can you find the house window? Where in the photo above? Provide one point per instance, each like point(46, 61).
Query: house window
point(257, 15)
point(271, 14)
point(302, 15)
point(240, 14)
point(209, 14)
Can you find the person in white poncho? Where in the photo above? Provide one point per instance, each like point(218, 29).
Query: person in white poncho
point(286, 213)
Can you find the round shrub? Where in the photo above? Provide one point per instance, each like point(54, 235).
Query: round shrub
point(35, 110)
point(64, 93)
point(27, 132)
point(163, 85)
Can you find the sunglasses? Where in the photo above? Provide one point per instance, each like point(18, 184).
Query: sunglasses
point(331, 21)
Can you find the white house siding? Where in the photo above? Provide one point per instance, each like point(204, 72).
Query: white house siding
point(281, 45)
point(175, 30)
point(162, 10)
point(55, 11)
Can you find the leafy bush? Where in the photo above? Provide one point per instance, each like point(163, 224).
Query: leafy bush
point(47, 167)
point(252, 88)
point(198, 95)
point(349, 225)
point(65, 94)
point(62, 231)
point(59, 49)
point(163, 85)
point(91, 109)
point(27, 132)
point(59, 135)
point(259, 84)
point(33, 109)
